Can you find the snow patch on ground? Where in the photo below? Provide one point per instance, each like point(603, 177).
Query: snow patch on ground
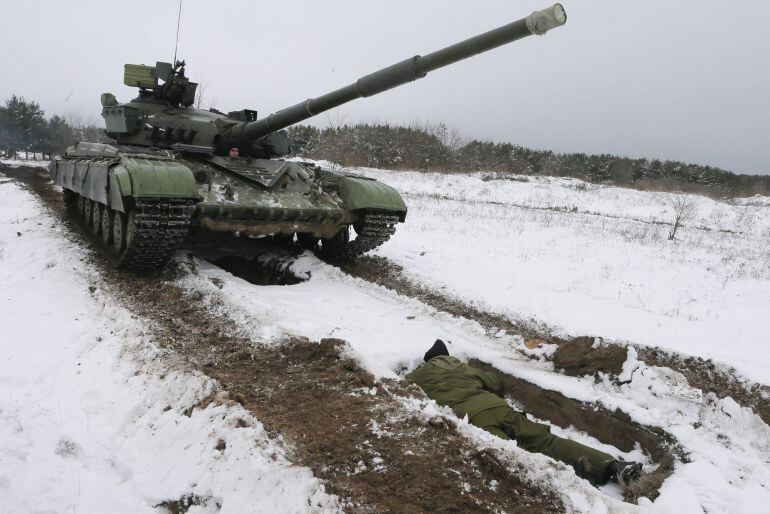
point(91, 416)
point(32, 163)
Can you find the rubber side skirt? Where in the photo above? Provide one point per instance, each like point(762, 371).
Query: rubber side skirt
point(325, 229)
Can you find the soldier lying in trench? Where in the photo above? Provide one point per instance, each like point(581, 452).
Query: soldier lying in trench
point(478, 394)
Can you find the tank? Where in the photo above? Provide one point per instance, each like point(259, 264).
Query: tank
point(177, 173)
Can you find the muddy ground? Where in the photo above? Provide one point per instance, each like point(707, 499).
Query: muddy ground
point(351, 431)
point(577, 356)
point(347, 428)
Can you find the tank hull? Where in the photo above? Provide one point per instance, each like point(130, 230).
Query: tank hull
point(245, 197)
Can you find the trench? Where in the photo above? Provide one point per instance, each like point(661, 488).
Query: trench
point(611, 427)
point(575, 356)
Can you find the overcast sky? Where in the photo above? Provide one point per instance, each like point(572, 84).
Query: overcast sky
point(683, 80)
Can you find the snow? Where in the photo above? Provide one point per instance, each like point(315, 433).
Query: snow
point(18, 161)
point(84, 394)
point(591, 259)
point(390, 332)
point(92, 415)
point(730, 462)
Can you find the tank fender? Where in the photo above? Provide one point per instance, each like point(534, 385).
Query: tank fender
point(53, 171)
point(83, 177)
point(155, 178)
point(120, 186)
point(365, 193)
point(63, 174)
point(94, 180)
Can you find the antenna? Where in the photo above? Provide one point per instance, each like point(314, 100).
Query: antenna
point(176, 43)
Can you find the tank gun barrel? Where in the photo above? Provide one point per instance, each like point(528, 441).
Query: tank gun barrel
point(409, 70)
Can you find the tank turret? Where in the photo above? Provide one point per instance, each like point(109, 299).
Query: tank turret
point(162, 116)
point(177, 174)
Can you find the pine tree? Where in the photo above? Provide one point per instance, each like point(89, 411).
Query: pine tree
point(60, 135)
point(22, 126)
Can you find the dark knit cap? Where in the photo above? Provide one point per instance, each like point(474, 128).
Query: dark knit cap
point(438, 348)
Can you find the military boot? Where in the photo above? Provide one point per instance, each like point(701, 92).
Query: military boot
point(625, 472)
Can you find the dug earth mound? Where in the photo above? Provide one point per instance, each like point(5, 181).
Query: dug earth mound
point(582, 356)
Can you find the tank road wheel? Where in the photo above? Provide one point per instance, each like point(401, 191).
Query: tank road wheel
point(144, 237)
point(118, 231)
point(106, 230)
point(96, 218)
point(81, 209)
point(71, 200)
point(131, 229)
point(87, 210)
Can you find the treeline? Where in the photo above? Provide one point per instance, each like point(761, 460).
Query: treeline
point(25, 128)
point(434, 147)
point(425, 147)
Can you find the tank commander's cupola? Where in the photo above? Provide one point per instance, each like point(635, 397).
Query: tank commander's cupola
point(176, 88)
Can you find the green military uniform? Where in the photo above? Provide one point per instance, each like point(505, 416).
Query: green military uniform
point(475, 393)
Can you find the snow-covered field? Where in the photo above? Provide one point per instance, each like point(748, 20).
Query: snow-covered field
point(83, 393)
point(596, 260)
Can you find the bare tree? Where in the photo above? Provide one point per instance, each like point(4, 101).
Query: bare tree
point(449, 136)
point(336, 119)
point(74, 119)
point(684, 210)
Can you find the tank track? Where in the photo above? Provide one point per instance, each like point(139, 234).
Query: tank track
point(160, 226)
point(371, 233)
point(373, 230)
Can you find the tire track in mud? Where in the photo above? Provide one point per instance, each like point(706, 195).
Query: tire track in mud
point(353, 432)
point(576, 357)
